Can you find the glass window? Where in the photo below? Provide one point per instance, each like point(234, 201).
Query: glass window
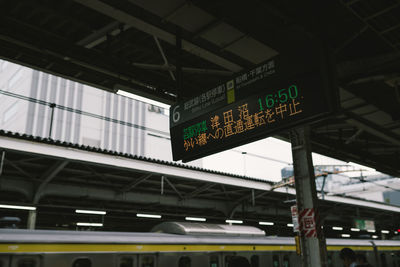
point(330, 263)
point(148, 261)
point(214, 261)
point(126, 262)
point(10, 112)
point(82, 263)
point(228, 259)
point(275, 261)
point(255, 261)
point(14, 79)
point(184, 262)
point(286, 261)
point(27, 262)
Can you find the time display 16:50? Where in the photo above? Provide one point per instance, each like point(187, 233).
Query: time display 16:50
point(282, 96)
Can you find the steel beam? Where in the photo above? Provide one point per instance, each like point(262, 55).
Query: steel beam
point(173, 187)
point(46, 178)
point(131, 185)
point(171, 67)
point(139, 24)
point(373, 128)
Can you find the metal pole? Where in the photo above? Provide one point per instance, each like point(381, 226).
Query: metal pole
point(32, 219)
point(322, 187)
point(3, 154)
point(52, 106)
point(313, 245)
point(179, 63)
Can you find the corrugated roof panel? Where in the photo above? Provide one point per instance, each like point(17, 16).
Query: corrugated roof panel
point(252, 50)
point(191, 18)
point(160, 8)
point(379, 117)
point(222, 35)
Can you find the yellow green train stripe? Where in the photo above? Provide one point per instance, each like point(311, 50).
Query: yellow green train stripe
point(62, 248)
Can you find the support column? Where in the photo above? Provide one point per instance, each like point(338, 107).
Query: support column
point(31, 219)
point(313, 245)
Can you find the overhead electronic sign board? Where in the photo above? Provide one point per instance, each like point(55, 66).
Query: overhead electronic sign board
point(281, 93)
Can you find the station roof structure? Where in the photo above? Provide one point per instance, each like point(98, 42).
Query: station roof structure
point(131, 45)
point(58, 178)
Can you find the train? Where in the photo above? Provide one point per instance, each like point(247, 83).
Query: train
point(174, 244)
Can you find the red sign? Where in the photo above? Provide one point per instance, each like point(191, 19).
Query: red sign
point(307, 223)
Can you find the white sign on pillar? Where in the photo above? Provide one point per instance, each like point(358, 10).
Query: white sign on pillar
point(295, 218)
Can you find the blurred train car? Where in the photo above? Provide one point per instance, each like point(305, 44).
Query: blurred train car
point(173, 245)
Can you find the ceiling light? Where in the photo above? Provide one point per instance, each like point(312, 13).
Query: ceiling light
point(374, 236)
point(289, 225)
point(98, 212)
point(345, 235)
point(337, 228)
point(355, 229)
point(384, 231)
point(148, 215)
point(195, 219)
point(233, 221)
point(89, 224)
point(143, 99)
point(266, 223)
point(15, 207)
point(371, 231)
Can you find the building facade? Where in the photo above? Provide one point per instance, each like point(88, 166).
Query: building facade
point(81, 114)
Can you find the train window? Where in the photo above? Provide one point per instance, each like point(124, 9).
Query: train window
point(330, 263)
point(214, 261)
point(84, 262)
point(27, 262)
point(275, 261)
point(383, 260)
point(228, 259)
point(184, 262)
point(255, 261)
point(286, 261)
point(126, 262)
point(148, 261)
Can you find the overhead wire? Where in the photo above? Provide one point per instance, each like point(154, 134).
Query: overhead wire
point(81, 112)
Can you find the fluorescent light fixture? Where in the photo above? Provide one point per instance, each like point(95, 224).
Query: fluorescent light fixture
point(89, 224)
point(355, 229)
point(98, 212)
point(143, 99)
point(143, 215)
point(289, 225)
point(15, 207)
point(371, 231)
point(337, 228)
point(385, 231)
point(266, 223)
point(345, 235)
point(195, 219)
point(374, 236)
point(233, 221)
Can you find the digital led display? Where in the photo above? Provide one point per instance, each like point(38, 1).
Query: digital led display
point(252, 105)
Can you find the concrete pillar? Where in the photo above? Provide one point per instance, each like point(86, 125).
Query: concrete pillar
point(32, 219)
point(313, 245)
